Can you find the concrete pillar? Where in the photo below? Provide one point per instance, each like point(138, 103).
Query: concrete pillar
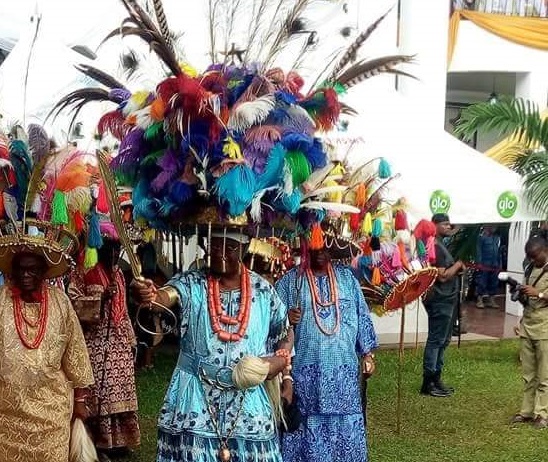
point(424, 31)
point(533, 86)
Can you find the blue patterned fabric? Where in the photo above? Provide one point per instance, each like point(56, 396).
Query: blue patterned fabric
point(192, 448)
point(326, 370)
point(184, 414)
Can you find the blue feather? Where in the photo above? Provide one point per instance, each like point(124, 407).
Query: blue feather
point(273, 171)
point(293, 141)
point(316, 155)
point(236, 188)
point(22, 164)
point(239, 89)
point(285, 97)
point(292, 202)
point(180, 193)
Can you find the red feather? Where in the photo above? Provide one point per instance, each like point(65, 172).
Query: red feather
point(113, 122)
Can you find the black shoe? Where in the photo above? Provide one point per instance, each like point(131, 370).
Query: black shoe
point(430, 388)
point(439, 384)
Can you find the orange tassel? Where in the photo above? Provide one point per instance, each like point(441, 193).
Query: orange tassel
point(157, 110)
point(376, 277)
point(361, 195)
point(316, 237)
point(403, 255)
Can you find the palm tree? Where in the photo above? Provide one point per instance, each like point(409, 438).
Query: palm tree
point(527, 154)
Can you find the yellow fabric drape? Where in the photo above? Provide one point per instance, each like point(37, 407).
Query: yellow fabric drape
point(499, 151)
point(528, 31)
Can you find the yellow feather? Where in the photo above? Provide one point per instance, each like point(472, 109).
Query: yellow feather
point(231, 149)
point(188, 69)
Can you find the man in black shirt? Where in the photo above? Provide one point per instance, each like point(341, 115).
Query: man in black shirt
point(440, 303)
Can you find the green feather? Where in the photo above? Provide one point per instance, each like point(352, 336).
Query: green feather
point(300, 167)
point(152, 158)
point(154, 131)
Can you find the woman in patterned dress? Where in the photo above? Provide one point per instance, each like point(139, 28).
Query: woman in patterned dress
point(113, 401)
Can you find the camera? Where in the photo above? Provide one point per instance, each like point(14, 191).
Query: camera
point(516, 295)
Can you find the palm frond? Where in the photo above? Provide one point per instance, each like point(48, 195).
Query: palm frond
point(518, 118)
point(366, 69)
point(533, 166)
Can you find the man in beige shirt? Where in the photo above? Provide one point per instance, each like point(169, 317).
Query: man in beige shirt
point(533, 334)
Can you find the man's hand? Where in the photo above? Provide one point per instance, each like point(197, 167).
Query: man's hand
point(80, 411)
point(144, 292)
point(368, 365)
point(294, 316)
point(530, 291)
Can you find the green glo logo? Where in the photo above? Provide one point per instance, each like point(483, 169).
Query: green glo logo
point(440, 202)
point(507, 204)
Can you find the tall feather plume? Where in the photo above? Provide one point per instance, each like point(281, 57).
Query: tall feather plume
point(375, 198)
point(139, 24)
point(35, 180)
point(100, 76)
point(162, 22)
point(38, 142)
point(366, 69)
point(351, 52)
point(285, 31)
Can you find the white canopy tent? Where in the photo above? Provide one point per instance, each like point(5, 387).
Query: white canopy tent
point(437, 171)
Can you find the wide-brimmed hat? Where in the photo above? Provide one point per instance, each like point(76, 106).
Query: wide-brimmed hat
point(52, 244)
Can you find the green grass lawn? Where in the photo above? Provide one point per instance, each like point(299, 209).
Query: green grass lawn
point(470, 426)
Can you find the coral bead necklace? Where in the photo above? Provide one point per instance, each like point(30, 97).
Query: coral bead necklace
point(22, 324)
point(316, 300)
point(218, 316)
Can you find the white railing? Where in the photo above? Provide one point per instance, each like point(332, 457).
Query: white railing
point(527, 8)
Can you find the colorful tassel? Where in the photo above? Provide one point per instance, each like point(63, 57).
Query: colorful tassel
point(95, 240)
point(102, 200)
point(316, 237)
point(376, 277)
point(361, 196)
point(59, 211)
point(377, 228)
point(375, 244)
point(421, 249)
point(403, 255)
point(78, 221)
point(367, 225)
point(354, 221)
point(400, 221)
point(431, 249)
point(384, 169)
point(91, 258)
point(396, 259)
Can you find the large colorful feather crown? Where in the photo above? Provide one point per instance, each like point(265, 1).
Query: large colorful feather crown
point(237, 143)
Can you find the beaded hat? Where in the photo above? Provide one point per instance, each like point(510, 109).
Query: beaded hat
point(44, 198)
point(233, 145)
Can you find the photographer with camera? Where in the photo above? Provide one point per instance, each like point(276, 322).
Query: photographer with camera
point(533, 332)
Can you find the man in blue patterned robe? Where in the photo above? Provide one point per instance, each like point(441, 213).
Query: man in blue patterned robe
point(326, 366)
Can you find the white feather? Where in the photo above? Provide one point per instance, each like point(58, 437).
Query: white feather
point(82, 448)
point(288, 180)
point(5, 163)
point(250, 113)
point(317, 177)
point(297, 110)
point(10, 206)
point(330, 206)
point(79, 199)
point(143, 119)
point(326, 190)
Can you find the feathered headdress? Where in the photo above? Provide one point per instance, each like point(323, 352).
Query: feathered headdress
point(239, 137)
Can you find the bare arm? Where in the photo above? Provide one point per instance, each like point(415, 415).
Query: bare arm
point(445, 274)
